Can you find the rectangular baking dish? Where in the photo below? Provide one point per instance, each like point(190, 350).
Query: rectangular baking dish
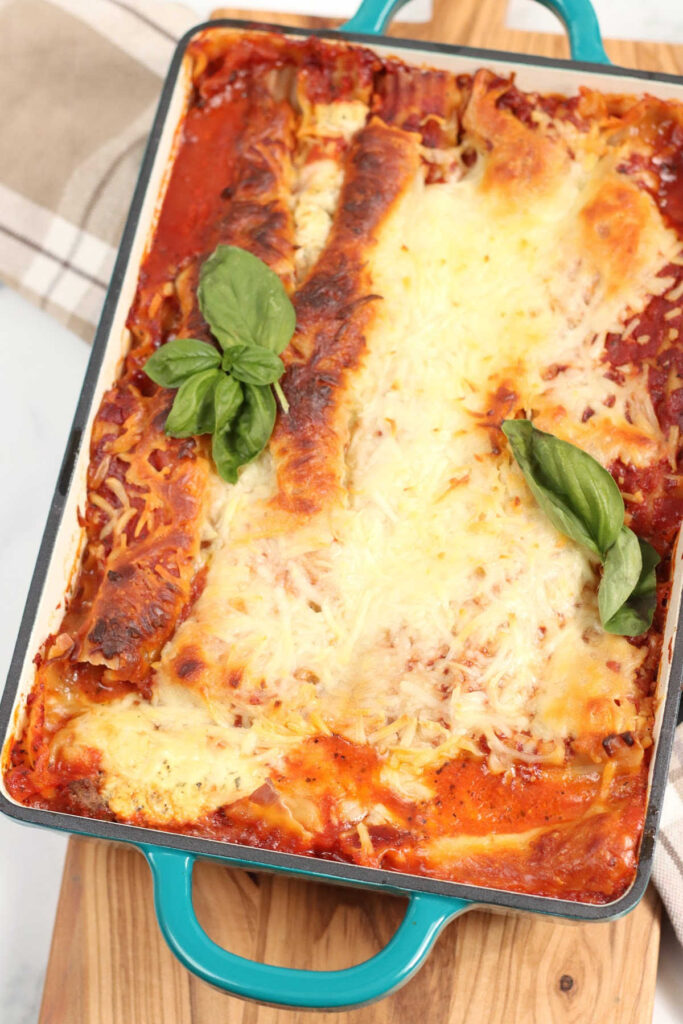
point(432, 903)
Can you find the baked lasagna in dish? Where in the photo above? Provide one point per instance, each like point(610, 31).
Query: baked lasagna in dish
point(375, 646)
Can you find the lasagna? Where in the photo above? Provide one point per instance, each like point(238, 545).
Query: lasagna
point(375, 647)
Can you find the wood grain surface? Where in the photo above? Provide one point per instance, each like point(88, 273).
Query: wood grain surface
point(481, 23)
point(109, 964)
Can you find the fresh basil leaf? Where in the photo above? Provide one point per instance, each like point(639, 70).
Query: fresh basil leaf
point(192, 410)
point(224, 457)
point(582, 500)
point(227, 398)
point(579, 497)
point(627, 622)
point(177, 360)
point(254, 423)
point(647, 584)
point(253, 364)
point(248, 433)
point(244, 301)
point(232, 352)
point(620, 574)
point(635, 615)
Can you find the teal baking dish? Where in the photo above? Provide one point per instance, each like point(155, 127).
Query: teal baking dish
point(432, 904)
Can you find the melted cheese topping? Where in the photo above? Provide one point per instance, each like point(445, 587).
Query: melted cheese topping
point(436, 605)
point(316, 199)
point(325, 130)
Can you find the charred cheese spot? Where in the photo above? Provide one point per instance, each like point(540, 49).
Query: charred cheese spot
point(188, 663)
point(335, 308)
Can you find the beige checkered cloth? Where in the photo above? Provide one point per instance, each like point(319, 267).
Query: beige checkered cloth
point(79, 82)
point(668, 865)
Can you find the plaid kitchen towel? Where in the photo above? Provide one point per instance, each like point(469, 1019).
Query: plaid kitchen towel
point(79, 81)
point(668, 863)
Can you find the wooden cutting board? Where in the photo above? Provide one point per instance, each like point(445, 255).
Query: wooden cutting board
point(109, 964)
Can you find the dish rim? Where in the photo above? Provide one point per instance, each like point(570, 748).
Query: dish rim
point(244, 856)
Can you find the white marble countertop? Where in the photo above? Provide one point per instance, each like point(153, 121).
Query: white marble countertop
point(41, 367)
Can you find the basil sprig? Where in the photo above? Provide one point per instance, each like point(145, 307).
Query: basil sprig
point(583, 502)
point(230, 395)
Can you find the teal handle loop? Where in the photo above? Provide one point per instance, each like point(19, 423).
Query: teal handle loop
point(581, 22)
point(373, 16)
point(585, 41)
point(427, 914)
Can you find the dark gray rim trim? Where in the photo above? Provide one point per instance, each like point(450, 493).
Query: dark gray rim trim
point(313, 867)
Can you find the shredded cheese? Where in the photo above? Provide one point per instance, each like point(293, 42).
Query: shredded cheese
point(437, 610)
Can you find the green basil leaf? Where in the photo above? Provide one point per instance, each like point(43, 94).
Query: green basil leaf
point(224, 457)
point(244, 301)
point(192, 410)
point(177, 360)
point(635, 615)
point(620, 574)
point(254, 423)
point(647, 584)
point(253, 364)
point(227, 398)
point(627, 622)
point(579, 497)
point(247, 435)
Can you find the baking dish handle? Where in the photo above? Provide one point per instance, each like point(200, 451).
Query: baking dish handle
point(585, 42)
point(427, 914)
